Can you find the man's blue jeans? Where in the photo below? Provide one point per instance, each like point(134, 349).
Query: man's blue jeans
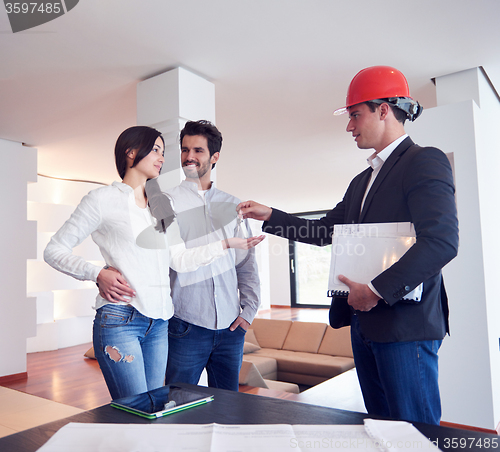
point(192, 348)
point(131, 349)
point(398, 379)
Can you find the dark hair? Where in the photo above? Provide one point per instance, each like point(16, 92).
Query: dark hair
point(140, 138)
point(207, 130)
point(399, 114)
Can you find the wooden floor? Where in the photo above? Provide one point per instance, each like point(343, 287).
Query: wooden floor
point(66, 376)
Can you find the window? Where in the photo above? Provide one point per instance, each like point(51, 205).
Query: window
point(309, 271)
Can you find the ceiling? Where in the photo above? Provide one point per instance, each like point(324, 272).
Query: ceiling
point(280, 67)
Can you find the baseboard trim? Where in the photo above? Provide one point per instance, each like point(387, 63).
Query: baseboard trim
point(468, 427)
point(14, 377)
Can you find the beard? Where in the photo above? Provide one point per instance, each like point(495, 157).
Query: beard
point(195, 173)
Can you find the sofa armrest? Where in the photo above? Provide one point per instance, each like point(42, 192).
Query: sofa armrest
point(250, 376)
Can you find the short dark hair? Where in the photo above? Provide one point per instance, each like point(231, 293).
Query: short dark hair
point(207, 130)
point(399, 114)
point(140, 138)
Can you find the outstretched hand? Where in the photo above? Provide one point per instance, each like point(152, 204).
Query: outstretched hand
point(113, 286)
point(361, 297)
point(252, 209)
point(242, 244)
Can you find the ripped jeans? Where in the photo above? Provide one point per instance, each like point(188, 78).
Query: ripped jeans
point(131, 349)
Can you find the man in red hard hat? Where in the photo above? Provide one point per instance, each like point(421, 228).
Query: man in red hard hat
point(395, 340)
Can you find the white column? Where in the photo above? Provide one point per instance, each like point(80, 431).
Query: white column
point(464, 126)
point(17, 245)
point(166, 102)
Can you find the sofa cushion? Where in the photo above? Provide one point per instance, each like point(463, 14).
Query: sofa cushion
point(336, 342)
point(273, 353)
point(314, 364)
point(305, 337)
point(250, 337)
point(271, 333)
point(248, 347)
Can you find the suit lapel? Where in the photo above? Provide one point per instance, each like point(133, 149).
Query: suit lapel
point(384, 171)
point(358, 195)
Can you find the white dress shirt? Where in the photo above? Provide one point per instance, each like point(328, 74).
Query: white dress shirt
point(376, 161)
point(215, 295)
point(113, 219)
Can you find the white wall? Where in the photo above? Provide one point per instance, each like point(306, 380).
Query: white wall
point(64, 311)
point(464, 356)
point(17, 244)
point(279, 271)
point(488, 163)
point(464, 124)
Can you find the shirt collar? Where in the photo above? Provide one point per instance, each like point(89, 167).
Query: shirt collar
point(193, 186)
point(377, 160)
point(122, 187)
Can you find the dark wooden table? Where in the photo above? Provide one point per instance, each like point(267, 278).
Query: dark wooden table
point(238, 408)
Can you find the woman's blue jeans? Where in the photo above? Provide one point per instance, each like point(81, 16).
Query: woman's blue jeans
point(131, 349)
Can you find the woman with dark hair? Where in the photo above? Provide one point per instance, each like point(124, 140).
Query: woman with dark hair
point(130, 333)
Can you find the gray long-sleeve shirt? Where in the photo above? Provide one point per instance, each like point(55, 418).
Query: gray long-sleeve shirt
point(213, 296)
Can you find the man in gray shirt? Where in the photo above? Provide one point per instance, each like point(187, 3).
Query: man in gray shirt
point(214, 305)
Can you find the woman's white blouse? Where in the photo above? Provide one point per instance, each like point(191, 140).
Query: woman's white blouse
point(128, 242)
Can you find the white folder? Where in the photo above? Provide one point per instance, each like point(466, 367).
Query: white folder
point(363, 251)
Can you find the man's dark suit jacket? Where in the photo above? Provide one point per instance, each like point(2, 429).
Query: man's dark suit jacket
point(415, 184)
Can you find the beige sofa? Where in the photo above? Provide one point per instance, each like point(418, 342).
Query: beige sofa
point(295, 352)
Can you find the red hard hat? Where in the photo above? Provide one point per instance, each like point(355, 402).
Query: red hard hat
point(376, 82)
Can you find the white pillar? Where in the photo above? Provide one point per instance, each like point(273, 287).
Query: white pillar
point(17, 245)
point(166, 102)
point(464, 126)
